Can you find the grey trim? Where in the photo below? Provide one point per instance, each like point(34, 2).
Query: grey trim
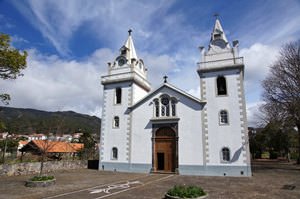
point(205, 135)
point(200, 71)
point(101, 153)
point(125, 167)
point(129, 124)
point(139, 80)
point(245, 131)
point(204, 121)
point(215, 170)
point(164, 120)
point(183, 169)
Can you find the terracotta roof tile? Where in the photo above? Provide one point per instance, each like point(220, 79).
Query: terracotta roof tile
point(58, 147)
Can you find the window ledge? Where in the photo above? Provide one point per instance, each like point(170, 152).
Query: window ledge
point(225, 162)
point(165, 119)
point(224, 124)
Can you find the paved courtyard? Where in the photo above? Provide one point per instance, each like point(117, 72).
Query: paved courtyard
point(270, 180)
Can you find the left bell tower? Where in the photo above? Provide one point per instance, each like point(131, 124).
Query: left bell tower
point(125, 84)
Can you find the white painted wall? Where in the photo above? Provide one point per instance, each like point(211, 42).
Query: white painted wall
point(220, 136)
point(189, 130)
point(115, 137)
point(138, 93)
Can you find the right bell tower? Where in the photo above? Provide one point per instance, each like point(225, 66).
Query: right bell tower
point(225, 131)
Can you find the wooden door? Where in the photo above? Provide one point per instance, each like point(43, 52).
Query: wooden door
point(164, 157)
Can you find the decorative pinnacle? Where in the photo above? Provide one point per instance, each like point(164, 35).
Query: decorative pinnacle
point(129, 31)
point(165, 77)
point(216, 15)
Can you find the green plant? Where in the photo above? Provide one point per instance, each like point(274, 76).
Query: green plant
point(42, 178)
point(186, 191)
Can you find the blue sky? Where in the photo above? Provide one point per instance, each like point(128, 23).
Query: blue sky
point(70, 42)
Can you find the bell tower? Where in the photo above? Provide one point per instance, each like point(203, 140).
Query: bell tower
point(125, 84)
point(225, 134)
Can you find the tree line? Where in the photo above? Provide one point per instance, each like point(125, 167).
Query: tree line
point(281, 109)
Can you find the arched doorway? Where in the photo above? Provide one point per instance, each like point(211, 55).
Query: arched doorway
point(165, 150)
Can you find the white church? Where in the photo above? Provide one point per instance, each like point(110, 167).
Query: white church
point(167, 130)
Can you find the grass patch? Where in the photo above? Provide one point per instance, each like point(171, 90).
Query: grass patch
point(186, 191)
point(42, 178)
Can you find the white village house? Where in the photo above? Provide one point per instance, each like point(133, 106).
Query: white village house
point(168, 130)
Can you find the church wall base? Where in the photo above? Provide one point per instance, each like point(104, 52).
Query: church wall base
point(234, 171)
point(125, 167)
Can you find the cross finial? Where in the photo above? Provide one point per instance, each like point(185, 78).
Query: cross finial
point(129, 31)
point(165, 77)
point(216, 15)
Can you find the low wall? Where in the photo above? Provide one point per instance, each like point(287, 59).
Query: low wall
point(28, 168)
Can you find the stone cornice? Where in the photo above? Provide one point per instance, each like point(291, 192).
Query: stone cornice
point(124, 77)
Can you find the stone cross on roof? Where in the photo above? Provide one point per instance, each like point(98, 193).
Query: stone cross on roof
point(165, 79)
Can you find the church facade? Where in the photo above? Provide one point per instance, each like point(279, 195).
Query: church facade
point(168, 130)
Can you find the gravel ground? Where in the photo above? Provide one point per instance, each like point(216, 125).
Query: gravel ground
point(270, 180)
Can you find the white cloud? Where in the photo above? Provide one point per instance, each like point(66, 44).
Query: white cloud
point(59, 20)
point(257, 58)
point(195, 92)
point(254, 114)
point(51, 83)
point(165, 38)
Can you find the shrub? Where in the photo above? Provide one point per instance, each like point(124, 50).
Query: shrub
point(42, 178)
point(186, 191)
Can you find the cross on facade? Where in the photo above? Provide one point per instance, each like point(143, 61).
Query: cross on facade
point(165, 77)
point(129, 31)
point(216, 15)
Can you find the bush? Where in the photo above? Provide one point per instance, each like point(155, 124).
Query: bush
point(186, 192)
point(273, 155)
point(42, 178)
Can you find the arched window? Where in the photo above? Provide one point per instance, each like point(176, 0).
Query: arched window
point(114, 152)
point(156, 107)
point(116, 122)
point(221, 86)
point(173, 105)
point(226, 154)
point(165, 106)
point(118, 95)
point(223, 117)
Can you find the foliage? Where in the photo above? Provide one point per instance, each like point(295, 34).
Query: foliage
point(274, 139)
point(186, 191)
point(11, 62)
point(90, 148)
point(10, 146)
point(30, 121)
point(42, 178)
point(282, 89)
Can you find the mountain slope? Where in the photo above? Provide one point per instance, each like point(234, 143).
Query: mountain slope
point(28, 121)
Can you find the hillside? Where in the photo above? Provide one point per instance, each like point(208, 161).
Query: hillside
point(28, 121)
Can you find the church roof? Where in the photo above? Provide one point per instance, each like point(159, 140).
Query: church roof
point(167, 85)
point(129, 45)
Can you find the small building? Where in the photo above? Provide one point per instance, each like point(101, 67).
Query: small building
point(53, 149)
point(39, 136)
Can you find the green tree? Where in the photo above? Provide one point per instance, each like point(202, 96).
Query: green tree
point(281, 89)
point(89, 151)
point(257, 141)
point(12, 61)
point(276, 140)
